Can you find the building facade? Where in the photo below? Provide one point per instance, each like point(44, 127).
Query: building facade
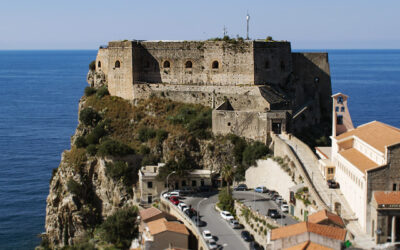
point(366, 160)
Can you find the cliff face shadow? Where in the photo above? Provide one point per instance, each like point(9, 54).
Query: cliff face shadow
point(146, 68)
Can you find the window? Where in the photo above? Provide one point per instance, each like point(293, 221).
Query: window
point(339, 120)
point(149, 184)
point(337, 109)
point(267, 64)
point(394, 186)
point(117, 64)
point(99, 64)
point(188, 65)
point(215, 65)
point(183, 183)
point(282, 66)
point(330, 170)
point(202, 182)
point(229, 124)
point(194, 183)
point(166, 64)
point(340, 100)
point(342, 109)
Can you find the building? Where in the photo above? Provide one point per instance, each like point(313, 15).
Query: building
point(324, 217)
point(150, 188)
point(366, 163)
point(307, 235)
point(269, 88)
point(159, 233)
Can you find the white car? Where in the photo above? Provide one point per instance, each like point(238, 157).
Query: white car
point(175, 193)
point(182, 206)
point(226, 215)
point(167, 195)
point(212, 245)
point(285, 208)
point(208, 236)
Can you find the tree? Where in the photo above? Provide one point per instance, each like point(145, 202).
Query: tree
point(227, 175)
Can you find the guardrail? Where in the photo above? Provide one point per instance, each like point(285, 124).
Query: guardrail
point(174, 210)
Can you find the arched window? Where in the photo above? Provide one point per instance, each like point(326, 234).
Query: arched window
point(267, 64)
point(99, 64)
point(188, 65)
point(117, 64)
point(166, 64)
point(215, 65)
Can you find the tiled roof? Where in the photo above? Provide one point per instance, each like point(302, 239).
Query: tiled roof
point(376, 134)
point(308, 245)
point(162, 225)
point(358, 159)
point(387, 197)
point(303, 227)
point(148, 213)
point(323, 215)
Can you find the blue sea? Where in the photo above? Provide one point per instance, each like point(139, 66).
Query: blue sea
point(40, 91)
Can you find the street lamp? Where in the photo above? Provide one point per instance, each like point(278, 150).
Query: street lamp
point(198, 211)
point(173, 172)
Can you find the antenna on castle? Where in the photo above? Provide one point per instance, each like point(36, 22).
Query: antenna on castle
point(225, 31)
point(247, 20)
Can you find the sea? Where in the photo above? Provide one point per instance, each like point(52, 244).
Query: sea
point(40, 91)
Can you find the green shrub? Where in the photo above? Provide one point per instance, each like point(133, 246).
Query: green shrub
point(76, 158)
point(121, 227)
point(80, 142)
point(226, 201)
point(101, 92)
point(89, 117)
point(121, 170)
point(98, 132)
point(114, 148)
point(144, 150)
point(74, 187)
point(146, 134)
point(254, 152)
point(150, 159)
point(91, 149)
point(90, 91)
point(269, 38)
point(161, 135)
point(92, 65)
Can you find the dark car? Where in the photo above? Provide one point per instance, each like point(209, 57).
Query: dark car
point(273, 213)
point(255, 246)
point(190, 212)
point(240, 187)
point(246, 236)
point(332, 184)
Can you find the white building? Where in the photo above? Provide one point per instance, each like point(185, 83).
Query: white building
point(365, 159)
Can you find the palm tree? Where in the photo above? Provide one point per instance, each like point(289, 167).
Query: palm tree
point(227, 175)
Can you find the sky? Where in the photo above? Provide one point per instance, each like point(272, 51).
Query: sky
point(308, 24)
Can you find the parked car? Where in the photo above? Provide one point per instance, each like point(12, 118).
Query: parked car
point(187, 190)
point(275, 197)
point(333, 184)
point(226, 215)
point(212, 245)
point(166, 195)
point(190, 212)
point(285, 208)
point(240, 187)
point(207, 235)
point(273, 213)
point(246, 236)
point(261, 189)
point(174, 200)
point(279, 200)
point(176, 193)
point(182, 206)
point(234, 224)
point(255, 246)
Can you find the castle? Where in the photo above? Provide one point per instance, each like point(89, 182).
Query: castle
point(253, 86)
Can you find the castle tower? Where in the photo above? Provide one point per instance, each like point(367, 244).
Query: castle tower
point(341, 120)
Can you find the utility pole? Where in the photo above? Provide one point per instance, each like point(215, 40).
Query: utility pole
point(225, 31)
point(247, 20)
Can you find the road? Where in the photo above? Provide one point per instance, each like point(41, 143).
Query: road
point(225, 235)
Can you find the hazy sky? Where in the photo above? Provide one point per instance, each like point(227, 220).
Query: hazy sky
point(308, 24)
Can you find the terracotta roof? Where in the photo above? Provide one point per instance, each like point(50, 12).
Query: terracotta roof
point(162, 225)
point(387, 197)
point(303, 227)
point(323, 215)
point(148, 213)
point(376, 134)
point(308, 245)
point(358, 159)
